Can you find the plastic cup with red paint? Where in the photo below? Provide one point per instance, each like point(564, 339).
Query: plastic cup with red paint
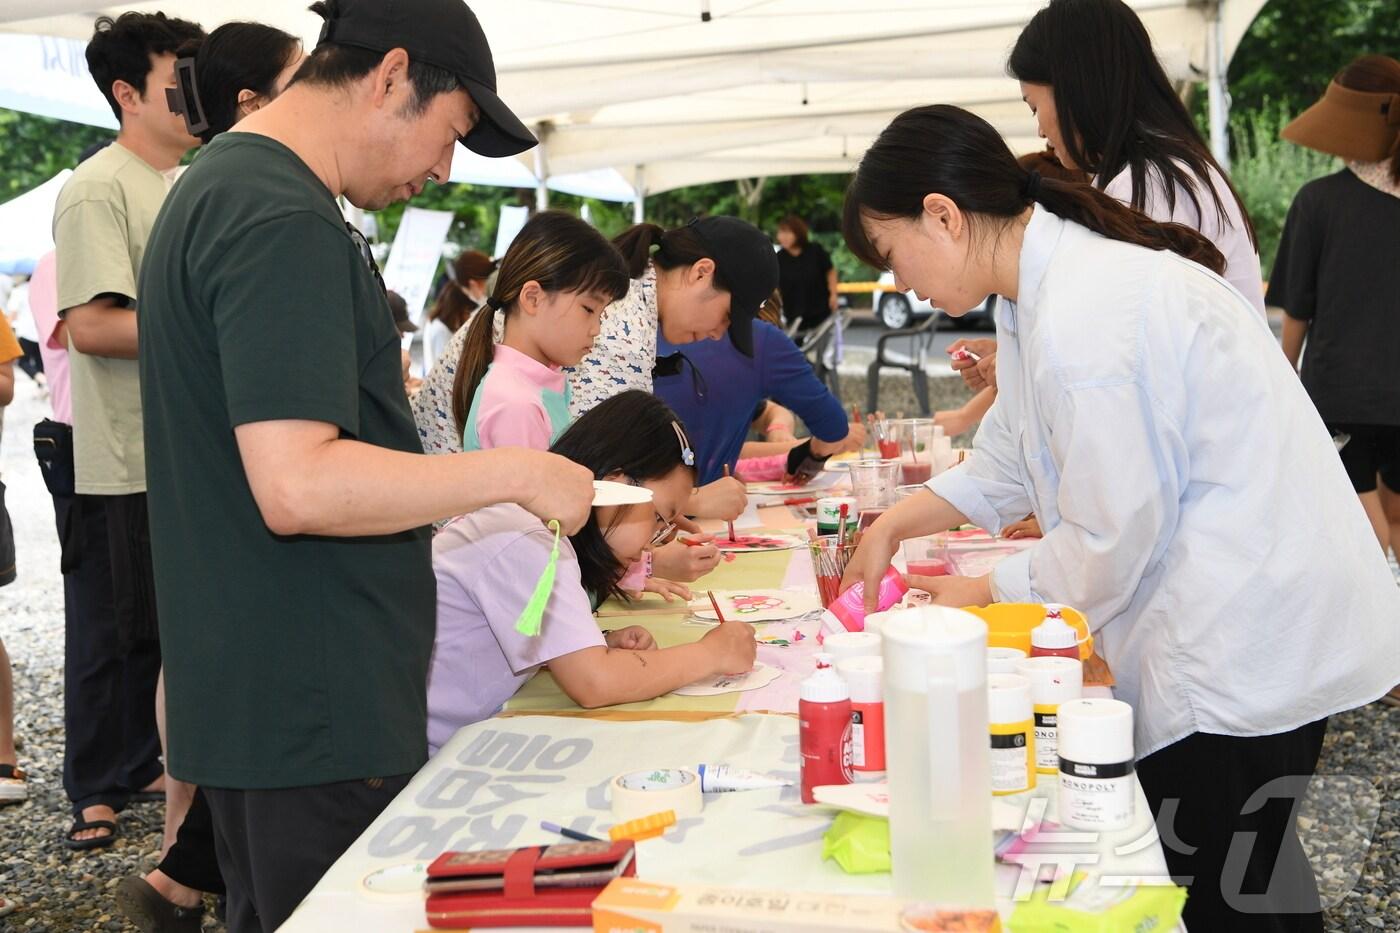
point(927, 557)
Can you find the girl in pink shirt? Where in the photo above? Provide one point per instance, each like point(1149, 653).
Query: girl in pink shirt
point(552, 287)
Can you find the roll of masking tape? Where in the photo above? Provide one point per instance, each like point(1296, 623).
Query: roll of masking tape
point(641, 793)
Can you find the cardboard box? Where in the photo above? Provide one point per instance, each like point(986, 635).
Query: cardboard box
point(628, 905)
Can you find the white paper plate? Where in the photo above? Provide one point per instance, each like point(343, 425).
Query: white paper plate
point(756, 605)
point(606, 492)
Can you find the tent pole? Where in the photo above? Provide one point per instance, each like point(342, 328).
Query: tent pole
point(541, 173)
point(640, 203)
point(1218, 95)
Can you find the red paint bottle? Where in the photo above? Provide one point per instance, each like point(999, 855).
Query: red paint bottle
point(1054, 638)
point(824, 729)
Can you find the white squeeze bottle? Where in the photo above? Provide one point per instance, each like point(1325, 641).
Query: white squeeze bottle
point(1054, 638)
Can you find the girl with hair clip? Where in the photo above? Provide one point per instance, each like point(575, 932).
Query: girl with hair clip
point(1191, 498)
point(488, 562)
point(1102, 99)
point(554, 283)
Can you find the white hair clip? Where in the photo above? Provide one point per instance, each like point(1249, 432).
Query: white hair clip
point(687, 455)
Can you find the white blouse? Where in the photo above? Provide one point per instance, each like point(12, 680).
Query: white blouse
point(1231, 238)
point(1193, 504)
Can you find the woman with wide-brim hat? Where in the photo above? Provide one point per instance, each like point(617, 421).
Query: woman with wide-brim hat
point(1337, 276)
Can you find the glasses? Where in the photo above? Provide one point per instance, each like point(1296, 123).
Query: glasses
point(668, 530)
point(366, 253)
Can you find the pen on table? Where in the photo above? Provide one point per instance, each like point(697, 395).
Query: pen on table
point(730, 525)
point(567, 833)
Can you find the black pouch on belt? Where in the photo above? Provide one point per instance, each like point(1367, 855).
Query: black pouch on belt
point(53, 448)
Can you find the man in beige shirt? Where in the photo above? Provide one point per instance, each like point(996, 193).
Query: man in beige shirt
point(101, 223)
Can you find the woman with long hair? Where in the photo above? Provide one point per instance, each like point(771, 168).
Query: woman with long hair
point(457, 301)
point(1337, 276)
point(1102, 99)
point(1191, 499)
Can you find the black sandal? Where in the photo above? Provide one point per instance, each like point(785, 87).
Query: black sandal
point(96, 842)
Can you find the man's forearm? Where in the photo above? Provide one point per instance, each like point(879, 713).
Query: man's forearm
point(99, 330)
point(347, 488)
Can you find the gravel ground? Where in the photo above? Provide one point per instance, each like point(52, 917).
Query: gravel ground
point(1355, 811)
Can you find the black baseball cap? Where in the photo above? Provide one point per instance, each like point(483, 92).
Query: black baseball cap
point(446, 35)
point(747, 263)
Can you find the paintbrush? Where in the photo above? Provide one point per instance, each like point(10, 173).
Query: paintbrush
point(714, 602)
point(729, 525)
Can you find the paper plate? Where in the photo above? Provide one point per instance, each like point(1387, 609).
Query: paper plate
point(756, 605)
point(606, 492)
point(761, 676)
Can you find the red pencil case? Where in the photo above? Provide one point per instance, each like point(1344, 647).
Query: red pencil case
point(532, 886)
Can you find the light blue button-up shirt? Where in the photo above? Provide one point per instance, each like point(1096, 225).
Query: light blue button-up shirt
point(1193, 503)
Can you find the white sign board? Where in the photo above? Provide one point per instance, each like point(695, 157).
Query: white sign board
point(512, 219)
point(415, 255)
point(49, 76)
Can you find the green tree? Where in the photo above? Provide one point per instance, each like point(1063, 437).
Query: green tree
point(34, 149)
point(1294, 47)
point(1268, 172)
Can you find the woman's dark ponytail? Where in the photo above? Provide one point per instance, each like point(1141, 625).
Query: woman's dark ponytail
point(946, 150)
point(1105, 215)
point(668, 249)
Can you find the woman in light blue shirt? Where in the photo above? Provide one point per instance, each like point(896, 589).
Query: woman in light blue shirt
point(1193, 505)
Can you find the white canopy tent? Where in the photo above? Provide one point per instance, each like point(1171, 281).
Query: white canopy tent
point(641, 96)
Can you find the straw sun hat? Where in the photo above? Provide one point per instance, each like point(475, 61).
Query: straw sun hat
point(1355, 125)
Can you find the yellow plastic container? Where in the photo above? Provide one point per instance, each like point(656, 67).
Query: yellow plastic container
point(1009, 625)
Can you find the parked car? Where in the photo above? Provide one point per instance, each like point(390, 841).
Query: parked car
point(897, 310)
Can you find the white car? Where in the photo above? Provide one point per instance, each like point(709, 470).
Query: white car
point(898, 310)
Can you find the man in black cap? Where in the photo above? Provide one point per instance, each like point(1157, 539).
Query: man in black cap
point(289, 496)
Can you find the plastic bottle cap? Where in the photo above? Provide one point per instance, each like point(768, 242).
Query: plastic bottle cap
point(864, 675)
point(1004, 660)
point(1096, 731)
point(825, 685)
point(1054, 632)
point(1008, 698)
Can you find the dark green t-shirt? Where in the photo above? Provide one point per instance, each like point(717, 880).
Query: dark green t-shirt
point(289, 661)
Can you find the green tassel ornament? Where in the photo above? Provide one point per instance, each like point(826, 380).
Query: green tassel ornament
point(533, 614)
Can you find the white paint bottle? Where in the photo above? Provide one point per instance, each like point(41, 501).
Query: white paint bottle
point(1053, 681)
point(1096, 764)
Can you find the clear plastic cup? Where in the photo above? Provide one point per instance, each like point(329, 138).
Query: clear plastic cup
point(873, 483)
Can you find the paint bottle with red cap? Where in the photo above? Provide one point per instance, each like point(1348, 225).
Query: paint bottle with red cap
point(824, 729)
